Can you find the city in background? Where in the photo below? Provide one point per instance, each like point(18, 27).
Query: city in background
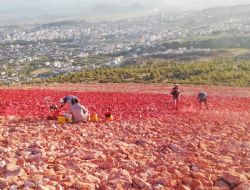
point(45, 49)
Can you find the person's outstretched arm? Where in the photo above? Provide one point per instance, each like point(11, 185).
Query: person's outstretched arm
point(62, 105)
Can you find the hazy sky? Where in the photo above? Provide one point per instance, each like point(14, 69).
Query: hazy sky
point(14, 4)
point(33, 10)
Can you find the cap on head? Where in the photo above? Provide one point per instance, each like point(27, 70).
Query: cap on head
point(176, 86)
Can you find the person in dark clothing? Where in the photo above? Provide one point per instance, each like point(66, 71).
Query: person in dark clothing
point(176, 95)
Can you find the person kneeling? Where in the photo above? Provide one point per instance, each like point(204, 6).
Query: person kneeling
point(78, 111)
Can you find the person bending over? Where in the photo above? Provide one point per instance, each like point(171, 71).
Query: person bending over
point(67, 100)
point(202, 98)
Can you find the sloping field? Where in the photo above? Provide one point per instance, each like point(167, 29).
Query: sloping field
point(147, 146)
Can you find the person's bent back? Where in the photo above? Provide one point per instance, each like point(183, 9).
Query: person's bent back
point(78, 111)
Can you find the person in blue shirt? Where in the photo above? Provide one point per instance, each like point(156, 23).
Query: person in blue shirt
point(67, 100)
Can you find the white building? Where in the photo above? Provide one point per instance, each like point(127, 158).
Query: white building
point(57, 64)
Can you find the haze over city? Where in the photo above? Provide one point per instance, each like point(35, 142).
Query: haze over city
point(191, 4)
point(16, 11)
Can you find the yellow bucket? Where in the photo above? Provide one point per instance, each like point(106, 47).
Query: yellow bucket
point(62, 119)
point(93, 117)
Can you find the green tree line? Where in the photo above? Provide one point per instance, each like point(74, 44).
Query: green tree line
point(216, 72)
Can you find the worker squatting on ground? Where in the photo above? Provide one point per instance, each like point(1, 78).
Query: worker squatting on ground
point(78, 111)
point(176, 95)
